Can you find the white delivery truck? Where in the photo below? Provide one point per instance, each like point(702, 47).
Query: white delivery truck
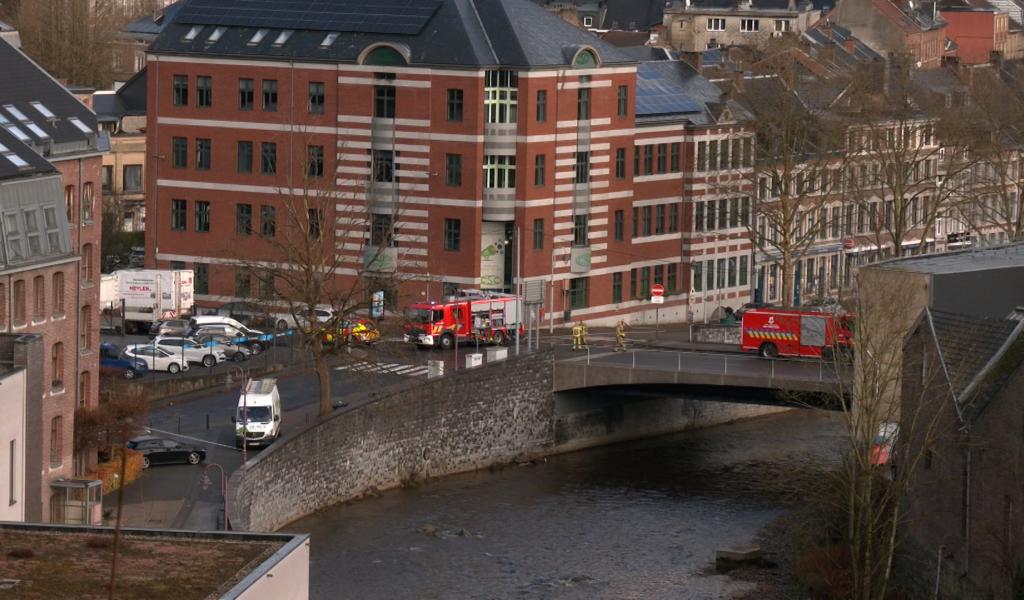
point(258, 417)
point(148, 296)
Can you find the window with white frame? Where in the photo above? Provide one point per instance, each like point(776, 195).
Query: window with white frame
point(501, 96)
point(716, 24)
point(783, 25)
point(750, 25)
point(588, 21)
point(499, 171)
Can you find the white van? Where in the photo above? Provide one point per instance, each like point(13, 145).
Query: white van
point(258, 414)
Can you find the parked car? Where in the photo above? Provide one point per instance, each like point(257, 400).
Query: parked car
point(191, 349)
point(175, 327)
point(157, 359)
point(114, 362)
point(242, 335)
point(247, 313)
point(354, 329)
point(235, 351)
point(160, 451)
point(283, 321)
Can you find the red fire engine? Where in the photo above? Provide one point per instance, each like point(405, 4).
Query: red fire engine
point(774, 332)
point(476, 316)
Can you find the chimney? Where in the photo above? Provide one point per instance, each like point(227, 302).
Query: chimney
point(850, 45)
point(694, 59)
point(791, 5)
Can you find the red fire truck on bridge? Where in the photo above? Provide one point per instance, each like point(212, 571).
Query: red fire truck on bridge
point(476, 316)
point(774, 332)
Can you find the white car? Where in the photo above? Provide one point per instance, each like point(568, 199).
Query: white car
point(157, 359)
point(191, 349)
point(322, 314)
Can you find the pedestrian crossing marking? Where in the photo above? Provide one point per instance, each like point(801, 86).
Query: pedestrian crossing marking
point(385, 368)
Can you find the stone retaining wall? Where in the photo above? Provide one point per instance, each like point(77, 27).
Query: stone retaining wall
point(496, 414)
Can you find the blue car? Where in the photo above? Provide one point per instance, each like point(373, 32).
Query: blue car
point(114, 362)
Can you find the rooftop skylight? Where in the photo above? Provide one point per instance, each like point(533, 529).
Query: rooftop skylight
point(258, 36)
point(330, 39)
point(39, 106)
point(283, 37)
point(216, 35)
point(80, 125)
point(192, 33)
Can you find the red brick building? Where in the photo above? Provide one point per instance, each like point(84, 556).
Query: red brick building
point(50, 159)
point(440, 132)
point(979, 32)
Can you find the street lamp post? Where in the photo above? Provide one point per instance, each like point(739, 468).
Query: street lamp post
point(245, 413)
point(223, 489)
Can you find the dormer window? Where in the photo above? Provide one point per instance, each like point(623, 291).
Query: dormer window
point(17, 114)
point(283, 37)
point(258, 36)
point(192, 33)
point(329, 40)
point(42, 110)
point(80, 125)
point(216, 35)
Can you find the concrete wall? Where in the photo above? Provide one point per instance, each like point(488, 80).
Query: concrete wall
point(12, 441)
point(492, 415)
point(283, 576)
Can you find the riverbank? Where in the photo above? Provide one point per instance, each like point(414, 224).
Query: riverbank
point(633, 520)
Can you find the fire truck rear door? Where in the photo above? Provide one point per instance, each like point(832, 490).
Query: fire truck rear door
point(812, 331)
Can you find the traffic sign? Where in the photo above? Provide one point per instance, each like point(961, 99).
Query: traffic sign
point(657, 299)
point(657, 290)
point(848, 244)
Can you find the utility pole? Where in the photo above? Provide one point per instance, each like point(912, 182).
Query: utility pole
point(519, 288)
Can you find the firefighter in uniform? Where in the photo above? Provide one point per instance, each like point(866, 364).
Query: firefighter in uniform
point(620, 336)
point(583, 336)
point(576, 335)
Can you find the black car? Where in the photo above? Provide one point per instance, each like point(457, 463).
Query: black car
point(160, 451)
point(114, 362)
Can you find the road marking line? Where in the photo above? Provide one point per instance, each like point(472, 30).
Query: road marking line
point(194, 439)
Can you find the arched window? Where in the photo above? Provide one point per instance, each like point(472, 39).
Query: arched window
point(385, 56)
point(585, 59)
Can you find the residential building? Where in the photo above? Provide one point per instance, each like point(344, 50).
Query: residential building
point(131, 41)
point(980, 32)
point(442, 152)
point(960, 439)
point(121, 114)
point(897, 27)
point(697, 25)
point(49, 178)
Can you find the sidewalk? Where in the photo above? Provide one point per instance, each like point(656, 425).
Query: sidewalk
point(668, 337)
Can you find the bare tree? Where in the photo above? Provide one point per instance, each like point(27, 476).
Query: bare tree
point(326, 256)
point(906, 156)
point(109, 426)
point(795, 156)
point(864, 508)
point(994, 119)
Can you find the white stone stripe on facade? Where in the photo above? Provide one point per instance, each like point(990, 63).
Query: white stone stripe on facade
point(411, 83)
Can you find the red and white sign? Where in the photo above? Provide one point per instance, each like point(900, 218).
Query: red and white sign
point(657, 290)
point(848, 243)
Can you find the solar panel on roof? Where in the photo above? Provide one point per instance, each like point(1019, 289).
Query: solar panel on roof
point(656, 95)
point(405, 17)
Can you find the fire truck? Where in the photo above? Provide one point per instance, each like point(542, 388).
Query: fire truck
point(774, 332)
point(474, 316)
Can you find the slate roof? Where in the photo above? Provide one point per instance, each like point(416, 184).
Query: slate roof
point(643, 14)
point(461, 33)
point(9, 145)
point(755, 5)
point(128, 100)
point(28, 82)
point(690, 95)
point(151, 25)
point(979, 356)
point(979, 259)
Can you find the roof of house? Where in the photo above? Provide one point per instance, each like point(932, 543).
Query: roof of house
point(910, 16)
point(978, 356)
point(673, 90)
point(40, 111)
point(446, 33)
point(200, 564)
point(152, 25)
point(633, 14)
point(750, 5)
point(18, 160)
point(975, 259)
point(127, 100)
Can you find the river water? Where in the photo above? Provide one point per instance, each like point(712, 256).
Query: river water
point(636, 520)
